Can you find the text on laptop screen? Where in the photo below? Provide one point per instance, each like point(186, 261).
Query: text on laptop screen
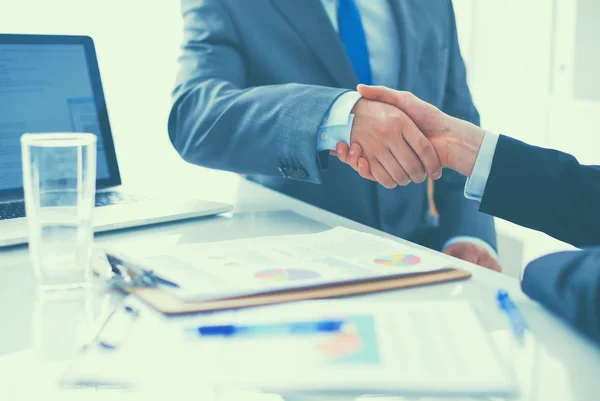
point(43, 88)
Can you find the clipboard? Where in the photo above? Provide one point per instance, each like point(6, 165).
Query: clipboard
point(169, 304)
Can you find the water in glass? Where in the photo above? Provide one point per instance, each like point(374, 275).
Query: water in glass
point(59, 178)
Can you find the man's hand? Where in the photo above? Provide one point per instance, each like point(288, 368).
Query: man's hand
point(474, 254)
point(456, 142)
point(461, 250)
point(397, 151)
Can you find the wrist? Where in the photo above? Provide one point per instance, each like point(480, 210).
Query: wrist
point(463, 145)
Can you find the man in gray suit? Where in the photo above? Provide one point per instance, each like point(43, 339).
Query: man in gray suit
point(264, 89)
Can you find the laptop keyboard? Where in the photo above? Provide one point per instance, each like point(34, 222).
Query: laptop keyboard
point(14, 210)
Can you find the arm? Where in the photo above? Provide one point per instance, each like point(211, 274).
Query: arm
point(544, 189)
point(568, 284)
point(218, 122)
point(459, 216)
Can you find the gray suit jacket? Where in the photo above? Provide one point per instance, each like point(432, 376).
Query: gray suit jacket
point(256, 79)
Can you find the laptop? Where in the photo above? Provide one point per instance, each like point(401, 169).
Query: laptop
point(51, 83)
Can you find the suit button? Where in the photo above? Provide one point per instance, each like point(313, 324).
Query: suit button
point(284, 172)
point(301, 174)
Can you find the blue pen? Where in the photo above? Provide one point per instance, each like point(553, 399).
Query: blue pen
point(517, 322)
point(298, 328)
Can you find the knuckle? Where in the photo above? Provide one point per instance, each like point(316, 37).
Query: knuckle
point(425, 147)
point(408, 97)
point(416, 173)
point(428, 154)
point(419, 178)
point(401, 178)
point(388, 182)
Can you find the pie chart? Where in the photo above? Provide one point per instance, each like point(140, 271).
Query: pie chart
point(400, 259)
point(286, 274)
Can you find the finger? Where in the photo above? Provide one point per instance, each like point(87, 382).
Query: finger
point(381, 175)
point(415, 138)
point(460, 254)
point(364, 170)
point(342, 151)
point(423, 149)
point(405, 157)
point(395, 169)
point(399, 99)
point(355, 154)
point(489, 262)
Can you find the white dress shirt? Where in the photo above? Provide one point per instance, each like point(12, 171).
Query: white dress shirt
point(384, 56)
point(475, 186)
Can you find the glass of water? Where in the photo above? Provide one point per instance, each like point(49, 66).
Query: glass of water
point(59, 179)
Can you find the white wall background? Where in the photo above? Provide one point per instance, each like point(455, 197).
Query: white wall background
point(533, 69)
point(523, 59)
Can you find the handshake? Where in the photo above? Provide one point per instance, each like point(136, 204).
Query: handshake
point(397, 139)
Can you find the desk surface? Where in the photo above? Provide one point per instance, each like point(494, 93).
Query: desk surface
point(38, 337)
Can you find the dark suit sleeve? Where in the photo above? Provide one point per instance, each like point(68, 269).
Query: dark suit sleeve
point(458, 215)
point(217, 121)
point(545, 190)
point(568, 284)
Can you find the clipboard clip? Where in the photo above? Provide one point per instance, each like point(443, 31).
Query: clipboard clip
point(130, 274)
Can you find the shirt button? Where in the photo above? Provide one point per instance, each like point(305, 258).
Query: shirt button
point(324, 135)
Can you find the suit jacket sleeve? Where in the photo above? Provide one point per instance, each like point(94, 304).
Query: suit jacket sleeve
point(458, 215)
point(217, 121)
point(568, 283)
point(546, 190)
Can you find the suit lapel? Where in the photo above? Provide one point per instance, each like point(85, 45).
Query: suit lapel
point(311, 23)
point(409, 39)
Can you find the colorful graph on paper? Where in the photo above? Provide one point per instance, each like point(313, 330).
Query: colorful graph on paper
point(286, 274)
point(357, 343)
point(399, 259)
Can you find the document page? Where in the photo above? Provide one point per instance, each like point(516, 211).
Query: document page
point(382, 347)
point(419, 347)
point(249, 266)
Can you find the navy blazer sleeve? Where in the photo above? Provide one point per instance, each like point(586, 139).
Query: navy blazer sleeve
point(546, 190)
point(568, 283)
point(458, 215)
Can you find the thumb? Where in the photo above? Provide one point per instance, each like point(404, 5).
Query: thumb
point(385, 95)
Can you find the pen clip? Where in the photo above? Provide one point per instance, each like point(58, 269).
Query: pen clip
point(129, 275)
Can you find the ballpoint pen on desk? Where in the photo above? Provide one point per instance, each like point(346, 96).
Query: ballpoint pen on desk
point(129, 273)
point(517, 322)
point(296, 328)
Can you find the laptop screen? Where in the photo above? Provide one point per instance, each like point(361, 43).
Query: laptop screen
point(45, 88)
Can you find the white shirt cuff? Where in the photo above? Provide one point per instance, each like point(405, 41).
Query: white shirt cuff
point(337, 124)
point(475, 185)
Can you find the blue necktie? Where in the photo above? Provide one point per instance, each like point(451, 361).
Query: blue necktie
point(353, 37)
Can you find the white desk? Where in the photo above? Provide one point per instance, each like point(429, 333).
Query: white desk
point(556, 363)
